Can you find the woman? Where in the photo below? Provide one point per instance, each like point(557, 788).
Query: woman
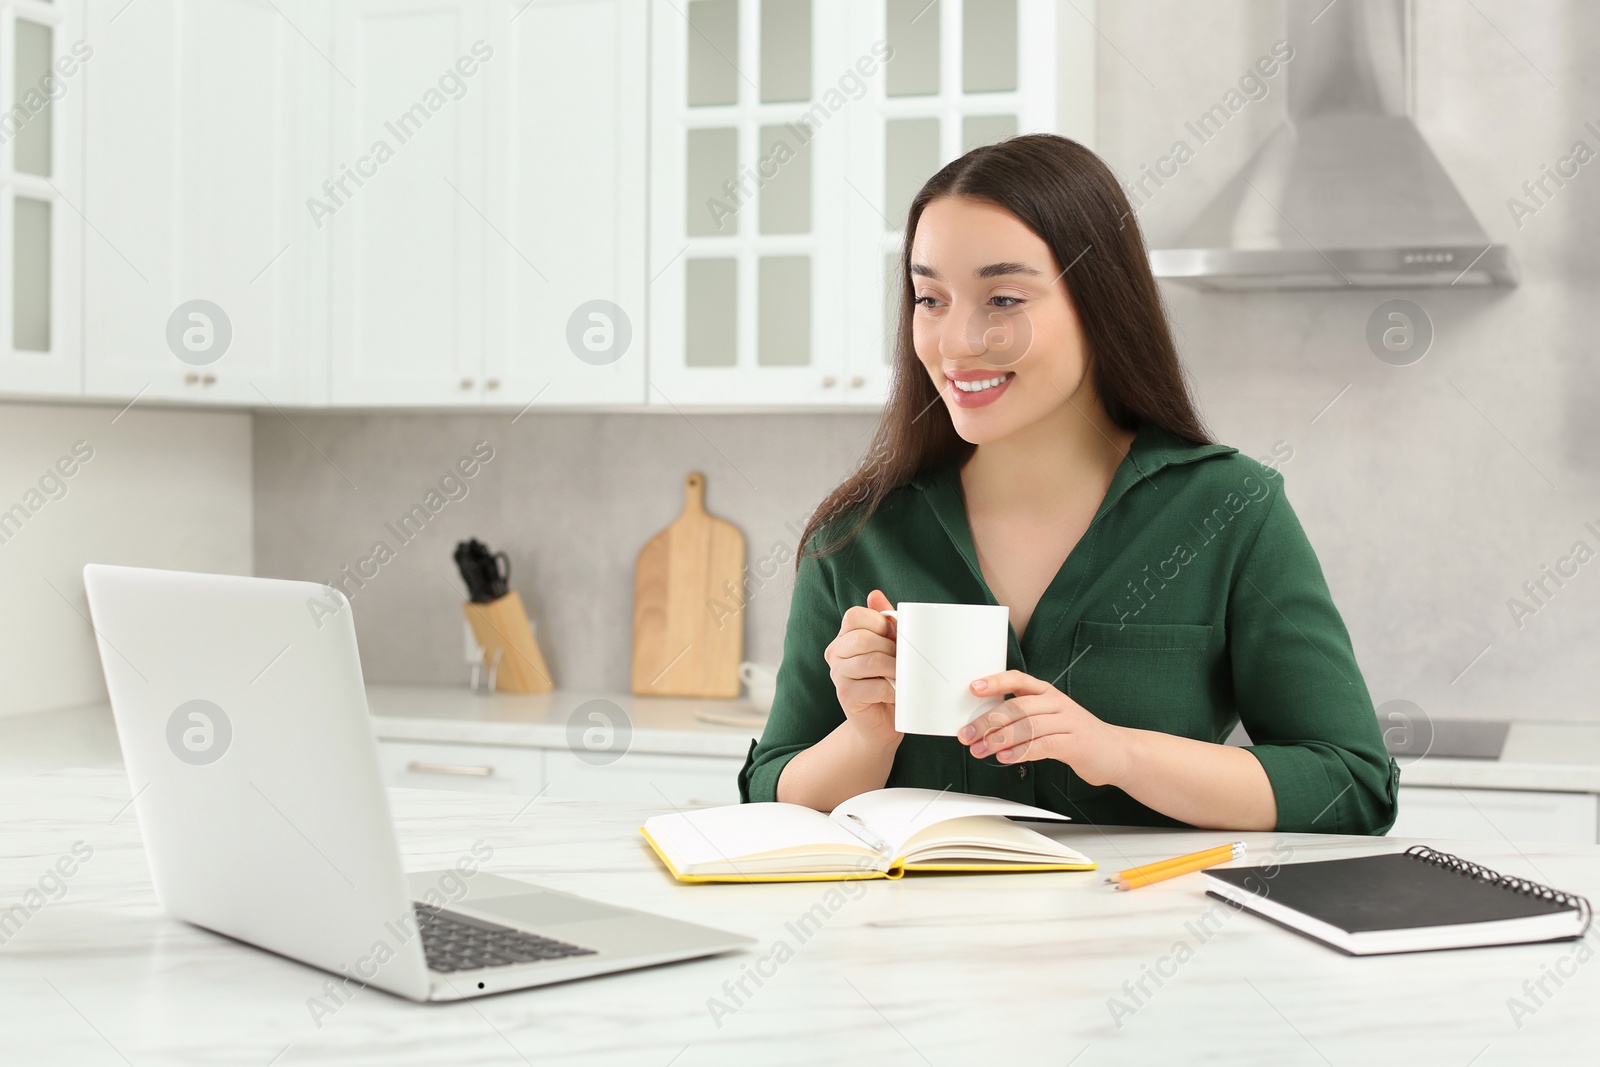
point(1039, 449)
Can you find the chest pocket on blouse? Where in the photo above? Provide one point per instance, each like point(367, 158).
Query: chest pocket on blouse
point(1148, 676)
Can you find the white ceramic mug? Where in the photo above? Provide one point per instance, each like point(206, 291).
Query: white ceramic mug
point(761, 682)
point(940, 650)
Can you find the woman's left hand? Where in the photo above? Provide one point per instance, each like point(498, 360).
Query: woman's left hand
point(1042, 722)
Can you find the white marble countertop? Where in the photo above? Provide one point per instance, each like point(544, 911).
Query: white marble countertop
point(934, 969)
point(455, 714)
point(1564, 757)
point(1538, 755)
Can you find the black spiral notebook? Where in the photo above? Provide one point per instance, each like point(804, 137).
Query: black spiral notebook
point(1411, 901)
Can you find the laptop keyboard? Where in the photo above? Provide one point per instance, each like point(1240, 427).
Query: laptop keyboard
point(453, 942)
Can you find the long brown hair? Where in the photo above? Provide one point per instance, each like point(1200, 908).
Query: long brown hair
point(1065, 194)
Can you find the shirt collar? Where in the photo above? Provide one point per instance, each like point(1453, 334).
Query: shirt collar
point(1153, 449)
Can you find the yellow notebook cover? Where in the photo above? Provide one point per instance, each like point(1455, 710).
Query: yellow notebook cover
point(829, 877)
point(898, 870)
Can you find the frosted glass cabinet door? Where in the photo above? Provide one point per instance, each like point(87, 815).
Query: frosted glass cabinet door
point(788, 138)
point(41, 179)
point(204, 119)
point(747, 193)
point(964, 73)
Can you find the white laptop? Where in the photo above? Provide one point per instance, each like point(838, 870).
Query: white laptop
point(243, 722)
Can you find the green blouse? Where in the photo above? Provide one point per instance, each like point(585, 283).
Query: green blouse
point(1193, 602)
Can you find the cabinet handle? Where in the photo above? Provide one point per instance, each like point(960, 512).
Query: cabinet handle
point(857, 382)
point(209, 379)
point(466, 383)
point(465, 770)
point(191, 378)
point(492, 383)
point(827, 381)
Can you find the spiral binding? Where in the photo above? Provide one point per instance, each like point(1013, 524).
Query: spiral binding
point(1504, 881)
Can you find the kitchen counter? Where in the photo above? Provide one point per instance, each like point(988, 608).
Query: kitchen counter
point(1538, 755)
point(664, 725)
point(933, 969)
point(1561, 757)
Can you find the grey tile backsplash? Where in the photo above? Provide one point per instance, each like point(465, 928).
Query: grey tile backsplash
point(571, 498)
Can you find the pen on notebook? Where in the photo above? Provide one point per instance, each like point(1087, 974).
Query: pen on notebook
point(858, 827)
point(1134, 877)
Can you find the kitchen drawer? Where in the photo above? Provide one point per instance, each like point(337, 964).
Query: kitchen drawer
point(645, 777)
point(1498, 814)
point(469, 768)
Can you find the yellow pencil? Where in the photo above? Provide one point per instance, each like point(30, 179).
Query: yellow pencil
point(1134, 877)
point(1147, 868)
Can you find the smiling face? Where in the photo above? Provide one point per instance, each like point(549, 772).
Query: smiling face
point(993, 324)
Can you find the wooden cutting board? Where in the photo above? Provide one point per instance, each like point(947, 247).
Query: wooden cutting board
point(688, 591)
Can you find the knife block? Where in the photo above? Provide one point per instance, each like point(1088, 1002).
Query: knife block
point(503, 624)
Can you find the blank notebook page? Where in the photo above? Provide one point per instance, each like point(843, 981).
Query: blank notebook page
point(727, 834)
point(898, 813)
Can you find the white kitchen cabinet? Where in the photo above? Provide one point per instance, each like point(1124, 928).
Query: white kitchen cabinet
point(564, 214)
point(436, 203)
point(466, 768)
point(1521, 817)
point(205, 138)
point(646, 777)
point(747, 198)
point(497, 255)
point(43, 55)
point(788, 137)
point(406, 233)
point(963, 75)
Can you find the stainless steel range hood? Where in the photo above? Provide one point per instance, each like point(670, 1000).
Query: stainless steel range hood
point(1346, 192)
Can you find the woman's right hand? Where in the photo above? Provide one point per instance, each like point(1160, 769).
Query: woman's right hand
point(861, 662)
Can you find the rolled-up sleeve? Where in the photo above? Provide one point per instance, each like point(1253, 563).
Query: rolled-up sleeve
point(805, 708)
point(1299, 692)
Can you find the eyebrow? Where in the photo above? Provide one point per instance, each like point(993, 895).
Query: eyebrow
point(993, 270)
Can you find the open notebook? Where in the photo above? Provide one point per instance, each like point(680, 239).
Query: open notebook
point(878, 834)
